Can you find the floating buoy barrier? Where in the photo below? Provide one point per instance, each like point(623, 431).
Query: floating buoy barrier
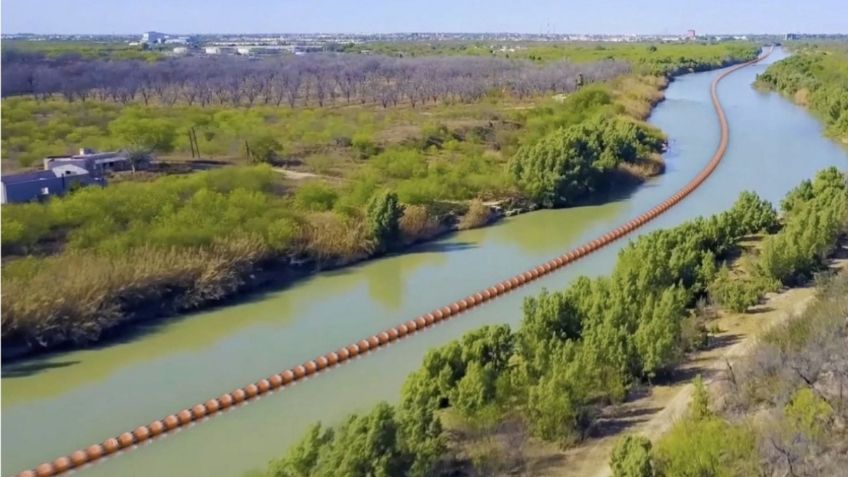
point(212, 407)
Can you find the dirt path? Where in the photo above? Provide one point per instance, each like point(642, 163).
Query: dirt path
point(653, 411)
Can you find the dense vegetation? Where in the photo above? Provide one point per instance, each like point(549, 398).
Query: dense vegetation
point(582, 348)
point(784, 414)
point(388, 176)
point(231, 103)
point(88, 50)
point(817, 77)
point(176, 243)
point(645, 58)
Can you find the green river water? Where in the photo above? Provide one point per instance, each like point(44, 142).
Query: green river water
point(53, 405)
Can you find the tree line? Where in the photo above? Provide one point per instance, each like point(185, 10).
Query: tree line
point(310, 80)
point(817, 77)
point(576, 350)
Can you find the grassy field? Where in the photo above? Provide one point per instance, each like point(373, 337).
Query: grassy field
point(90, 50)
point(646, 58)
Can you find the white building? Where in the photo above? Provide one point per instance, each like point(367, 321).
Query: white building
point(180, 50)
point(213, 50)
point(243, 50)
point(151, 37)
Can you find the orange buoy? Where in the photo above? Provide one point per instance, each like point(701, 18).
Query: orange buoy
point(238, 395)
point(184, 416)
point(515, 282)
point(27, 473)
point(332, 358)
point(288, 375)
point(44, 470)
point(488, 294)
point(364, 345)
point(141, 433)
point(412, 325)
point(300, 371)
point(402, 329)
point(251, 390)
point(225, 400)
point(321, 362)
point(61, 464)
point(171, 422)
point(156, 428)
point(433, 317)
point(373, 342)
point(447, 312)
point(392, 334)
point(94, 451)
point(311, 367)
point(111, 445)
point(275, 381)
point(126, 439)
point(353, 350)
point(421, 322)
point(382, 338)
point(480, 298)
point(211, 406)
point(79, 458)
point(344, 354)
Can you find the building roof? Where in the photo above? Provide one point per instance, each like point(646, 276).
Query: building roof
point(25, 177)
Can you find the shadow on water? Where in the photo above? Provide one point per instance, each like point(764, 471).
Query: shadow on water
point(442, 247)
point(21, 370)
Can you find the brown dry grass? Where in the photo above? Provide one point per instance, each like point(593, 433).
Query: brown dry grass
point(478, 215)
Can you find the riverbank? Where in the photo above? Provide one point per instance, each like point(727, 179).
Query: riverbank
point(128, 284)
point(224, 348)
point(815, 77)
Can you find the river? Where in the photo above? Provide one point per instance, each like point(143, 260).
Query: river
point(55, 404)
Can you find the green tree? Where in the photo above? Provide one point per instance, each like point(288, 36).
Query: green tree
point(751, 214)
point(734, 293)
point(144, 134)
point(383, 216)
point(264, 149)
point(631, 457)
point(699, 408)
point(808, 414)
point(706, 448)
point(302, 459)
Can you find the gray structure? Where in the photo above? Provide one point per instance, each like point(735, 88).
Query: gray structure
point(97, 164)
point(62, 174)
point(33, 186)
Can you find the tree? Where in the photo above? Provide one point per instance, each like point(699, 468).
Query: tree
point(264, 149)
point(699, 408)
point(383, 216)
point(751, 214)
point(144, 134)
point(631, 457)
point(302, 459)
point(557, 408)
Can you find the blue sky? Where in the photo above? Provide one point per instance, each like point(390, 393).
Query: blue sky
point(379, 16)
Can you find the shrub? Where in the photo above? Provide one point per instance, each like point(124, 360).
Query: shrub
point(734, 293)
point(631, 457)
point(364, 145)
point(417, 223)
point(478, 215)
point(383, 218)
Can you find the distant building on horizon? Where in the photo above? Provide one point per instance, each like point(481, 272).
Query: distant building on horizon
point(690, 34)
point(152, 37)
